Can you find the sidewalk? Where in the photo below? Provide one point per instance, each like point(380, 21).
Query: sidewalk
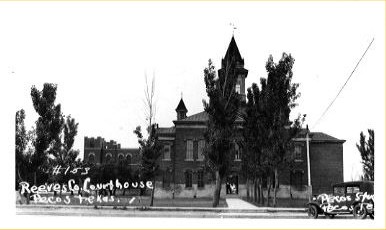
point(237, 203)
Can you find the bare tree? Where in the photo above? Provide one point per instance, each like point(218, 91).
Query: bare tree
point(150, 148)
point(149, 101)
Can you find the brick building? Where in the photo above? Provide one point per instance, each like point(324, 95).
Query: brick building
point(97, 150)
point(182, 162)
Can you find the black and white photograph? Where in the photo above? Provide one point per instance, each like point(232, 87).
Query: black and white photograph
point(193, 114)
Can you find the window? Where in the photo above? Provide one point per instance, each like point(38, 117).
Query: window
point(121, 158)
point(91, 158)
point(238, 88)
point(297, 178)
point(200, 154)
point(166, 179)
point(200, 179)
point(166, 153)
point(108, 158)
point(188, 179)
point(297, 155)
point(237, 152)
point(128, 158)
point(339, 190)
point(353, 190)
point(189, 150)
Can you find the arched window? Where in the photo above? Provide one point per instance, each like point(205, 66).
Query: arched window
point(237, 152)
point(128, 158)
point(238, 86)
point(109, 158)
point(121, 157)
point(91, 157)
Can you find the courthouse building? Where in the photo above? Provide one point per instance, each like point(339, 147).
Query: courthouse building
point(182, 163)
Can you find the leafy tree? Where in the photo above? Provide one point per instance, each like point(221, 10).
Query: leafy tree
point(223, 109)
point(254, 130)
point(366, 149)
point(279, 96)
point(61, 153)
point(268, 129)
point(48, 126)
point(21, 141)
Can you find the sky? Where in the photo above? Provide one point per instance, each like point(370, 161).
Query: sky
point(100, 53)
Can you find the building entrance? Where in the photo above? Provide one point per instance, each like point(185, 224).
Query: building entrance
point(232, 184)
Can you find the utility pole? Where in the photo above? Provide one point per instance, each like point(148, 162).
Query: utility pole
point(308, 165)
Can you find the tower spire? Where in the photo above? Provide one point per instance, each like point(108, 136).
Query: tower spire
point(181, 109)
point(233, 55)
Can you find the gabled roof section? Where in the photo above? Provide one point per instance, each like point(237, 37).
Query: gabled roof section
point(233, 51)
point(322, 137)
point(319, 137)
point(181, 106)
point(202, 117)
point(170, 130)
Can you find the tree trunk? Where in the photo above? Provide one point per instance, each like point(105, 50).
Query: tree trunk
point(258, 193)
point(35, 179)
point(261, 194)
point(255, 195)
point(275, 186)
point(80, 186)
point(247, 187)
point(251, 188)
point(268, 189)
point(27, 196)
point(18, 173)
point(217, 190)
point(152, 194)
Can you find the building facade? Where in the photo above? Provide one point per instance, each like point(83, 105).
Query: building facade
point(99, 151)
point(182, 163)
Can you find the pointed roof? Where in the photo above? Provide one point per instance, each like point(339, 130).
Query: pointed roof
point(181, 106)
point(233, 51)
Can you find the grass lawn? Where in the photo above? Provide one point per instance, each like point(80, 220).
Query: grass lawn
point(188, 202)
point(282, 203)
